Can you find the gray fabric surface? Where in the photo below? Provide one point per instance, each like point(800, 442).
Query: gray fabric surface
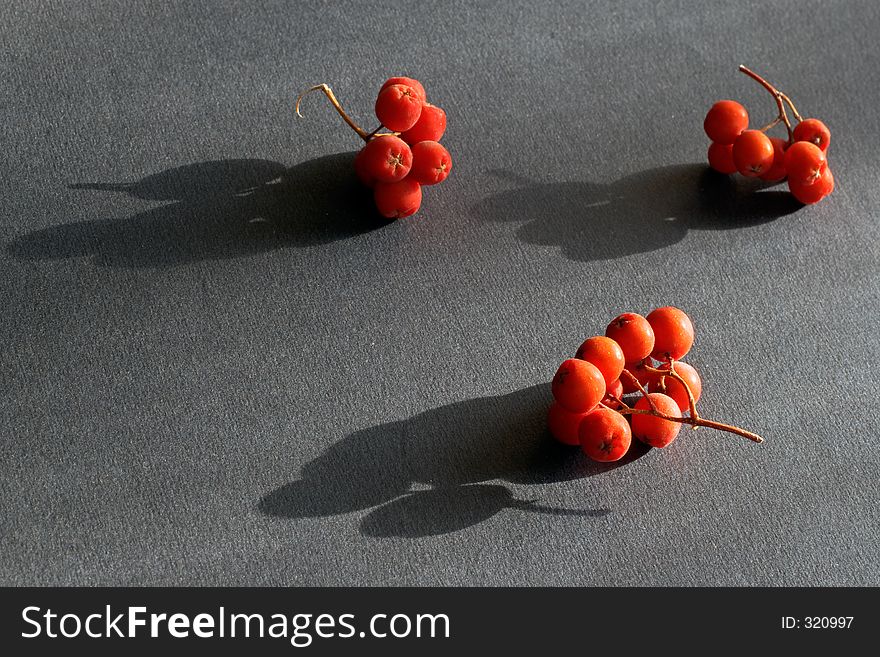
point(194, 397)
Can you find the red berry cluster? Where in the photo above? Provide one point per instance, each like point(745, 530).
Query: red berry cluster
point(800, 158)
point(636, 355)
point(396, 165)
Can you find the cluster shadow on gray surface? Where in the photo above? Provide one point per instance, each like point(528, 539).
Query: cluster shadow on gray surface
point(454, 450)
point(215, 210)
point(649, 210)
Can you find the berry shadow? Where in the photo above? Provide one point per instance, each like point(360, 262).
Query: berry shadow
point(637, 214)
point(215, 210)
point(454, 450)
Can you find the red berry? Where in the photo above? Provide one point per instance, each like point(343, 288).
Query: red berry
point(564, 424)
point(674, 389)
point(398, 199)
point(431, 163)
point(430, 126)
point(385, 159)
point(752, 153)
point(640, 371)
point(652, 430)
point(809, 194)
point(614, 389)
point(721, 158)
point(634, 335)
point(673, 333)
point(409, 82)
point(398, 107)
point(776, 171)
point(605, 354)
point(725, 121)
point(605, 435)
point(804, 163)
point(578, 385)
point(813, 131)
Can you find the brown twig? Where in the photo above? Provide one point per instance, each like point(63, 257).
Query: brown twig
point(336, 104)
point(778, 96)
point(694, 420)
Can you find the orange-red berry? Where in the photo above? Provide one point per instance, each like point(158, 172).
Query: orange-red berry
point(384, 159)
point(398, 107)
point(398, 199)
point(605, 435)
point(752, 153)
point(653, 430)
point(725, 121)
point(674, 389)
point(578, 385)
point(804, 163)
point(432, 163)
point(673, 333)
point(815, 192)
point(430, 126)
point(409, 82)
point(813, 131)
point(604, 353)
point(634, 335)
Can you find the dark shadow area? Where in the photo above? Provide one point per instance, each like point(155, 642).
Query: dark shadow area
point(449, 509)
point(215, 210)
point(640, 213)
point(448, 448)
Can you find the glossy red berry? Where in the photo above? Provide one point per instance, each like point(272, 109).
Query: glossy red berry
point(385, 159)
point(674, 389)
point(776, 171)
point(564, 424)
point(604, 353)
point(398, 199)
point(752, 153)
point(813, 131)
point(578, 385)
point(398, 107)
point(431, 163)
point(804, 163)
point(409, 82)
point(634, 335)
point(673, 333)
point(815, 192)
point(653, 430)
point(430, 126)
point(605, 435)
point(721, 158)
point(725, 121)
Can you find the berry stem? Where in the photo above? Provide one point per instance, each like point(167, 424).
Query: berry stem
point(694, 420)
point(641, 388)
point(329, 93)
point(697, 422)
point(794, 111)
point(778, 96)
point(772, 124)
point(692, 403)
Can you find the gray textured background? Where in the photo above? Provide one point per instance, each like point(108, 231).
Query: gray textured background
point(190, 396)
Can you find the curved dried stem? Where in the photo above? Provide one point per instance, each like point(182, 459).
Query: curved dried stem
point(325, 89)
point(777, 96)
point(694, 420)
point(698, 422)
point(672, 374)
